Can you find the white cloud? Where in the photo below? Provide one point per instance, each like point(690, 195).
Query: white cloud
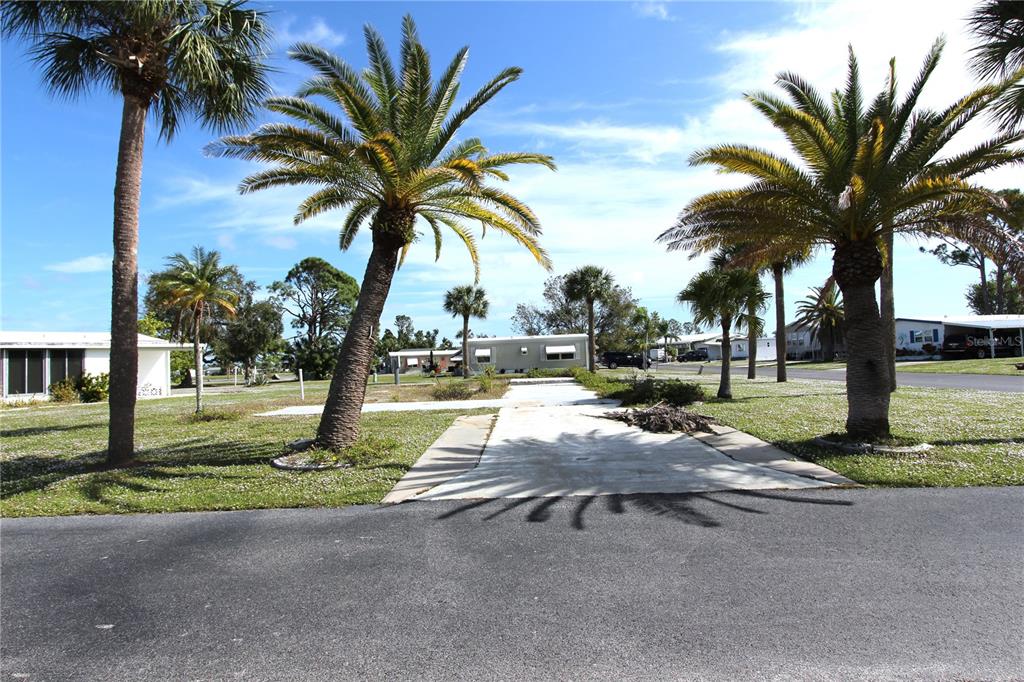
point(317, 32)
point(653, 10)
point(281, 241)
point(97, 263)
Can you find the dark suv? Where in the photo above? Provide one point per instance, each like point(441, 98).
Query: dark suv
point(700, 354)
point(614, 359)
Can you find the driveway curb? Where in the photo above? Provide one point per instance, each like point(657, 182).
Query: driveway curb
point(456, 451)
point(743, 447)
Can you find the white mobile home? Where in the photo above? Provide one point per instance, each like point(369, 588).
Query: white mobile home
point(32, 361)
point(520, 354)
point(740, 348)
point(419, 359)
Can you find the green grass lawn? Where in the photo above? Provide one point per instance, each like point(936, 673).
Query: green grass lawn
point(971, 366)
point(52, 458)
point(978, 435)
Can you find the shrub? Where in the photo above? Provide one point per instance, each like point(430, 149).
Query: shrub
point(64, 391)
point(453, 390)
point(94, 388)
point(554, 373)
point(676, 392)
point(258, 379)
point(486, 382)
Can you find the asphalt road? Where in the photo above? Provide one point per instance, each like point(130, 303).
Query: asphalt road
point(819, 585)
point(979, 382)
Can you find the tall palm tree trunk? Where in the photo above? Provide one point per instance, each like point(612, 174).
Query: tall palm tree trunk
point(124, 303)
point(856, 267)
point(465, 346)
point(751, 345)
point(1000, 289)
point(780, 323)
point(889, 311)
point(986, 306)
point(339, 425)
point(199, 362)
point(591, 351)
point(725, 383)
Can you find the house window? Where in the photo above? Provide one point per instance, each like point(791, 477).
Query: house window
point(560, 352)
point(65, 363)
point(482, 355)
point(25, 372)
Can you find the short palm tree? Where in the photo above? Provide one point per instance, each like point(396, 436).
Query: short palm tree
point(998, 26)
point(391, 158)
point(865, 169)
point(194, 288)
point(171, 58)
point(745, 256)
point(466, 301)
point(588, 284)
point(647, 326)
point(822, 313)
point(719, 297)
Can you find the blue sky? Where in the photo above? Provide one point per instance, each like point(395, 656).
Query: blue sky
point(619, 93)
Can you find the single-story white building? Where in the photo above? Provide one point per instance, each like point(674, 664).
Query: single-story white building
point(520, 354)
point(967, 336)
point(31, 361)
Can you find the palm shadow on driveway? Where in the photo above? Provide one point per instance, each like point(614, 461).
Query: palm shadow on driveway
point(688, 508)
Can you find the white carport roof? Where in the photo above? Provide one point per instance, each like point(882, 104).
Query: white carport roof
point(693, 338)
point(986, 321)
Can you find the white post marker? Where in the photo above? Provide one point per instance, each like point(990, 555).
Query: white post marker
point(302, 387)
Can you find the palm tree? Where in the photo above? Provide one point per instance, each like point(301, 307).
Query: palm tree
point(719, 297)
point(998, 26)
point(196, 288)
point(466, 301)
point(171, 58)
point(588, 284)
point(740, 256)
point(866, 168)
point(822, 313)
point(391, 158)
point(647, 325)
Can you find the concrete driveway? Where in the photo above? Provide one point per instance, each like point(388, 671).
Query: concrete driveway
point(574, 450)
point(553, 440)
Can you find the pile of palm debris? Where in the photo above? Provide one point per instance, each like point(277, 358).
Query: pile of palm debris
point(663, 418)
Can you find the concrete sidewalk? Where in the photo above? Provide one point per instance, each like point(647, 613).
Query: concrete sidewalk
point(535, 392)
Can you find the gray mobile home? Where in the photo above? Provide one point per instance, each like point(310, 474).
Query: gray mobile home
point(520, 354)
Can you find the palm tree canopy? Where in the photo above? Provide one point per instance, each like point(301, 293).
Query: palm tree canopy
point(392, 156)
point(194, 286)
point(998, 27)
point(822, 311)
point(717, 294)
point(587, 283)
point(466, 301)
point(181, 57)
point(865, 167)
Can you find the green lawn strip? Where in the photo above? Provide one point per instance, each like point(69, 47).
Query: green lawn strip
point(971, 366)
point(52, 458)
point(978, 435)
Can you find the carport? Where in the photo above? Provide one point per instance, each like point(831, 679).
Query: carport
point(993, 324)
